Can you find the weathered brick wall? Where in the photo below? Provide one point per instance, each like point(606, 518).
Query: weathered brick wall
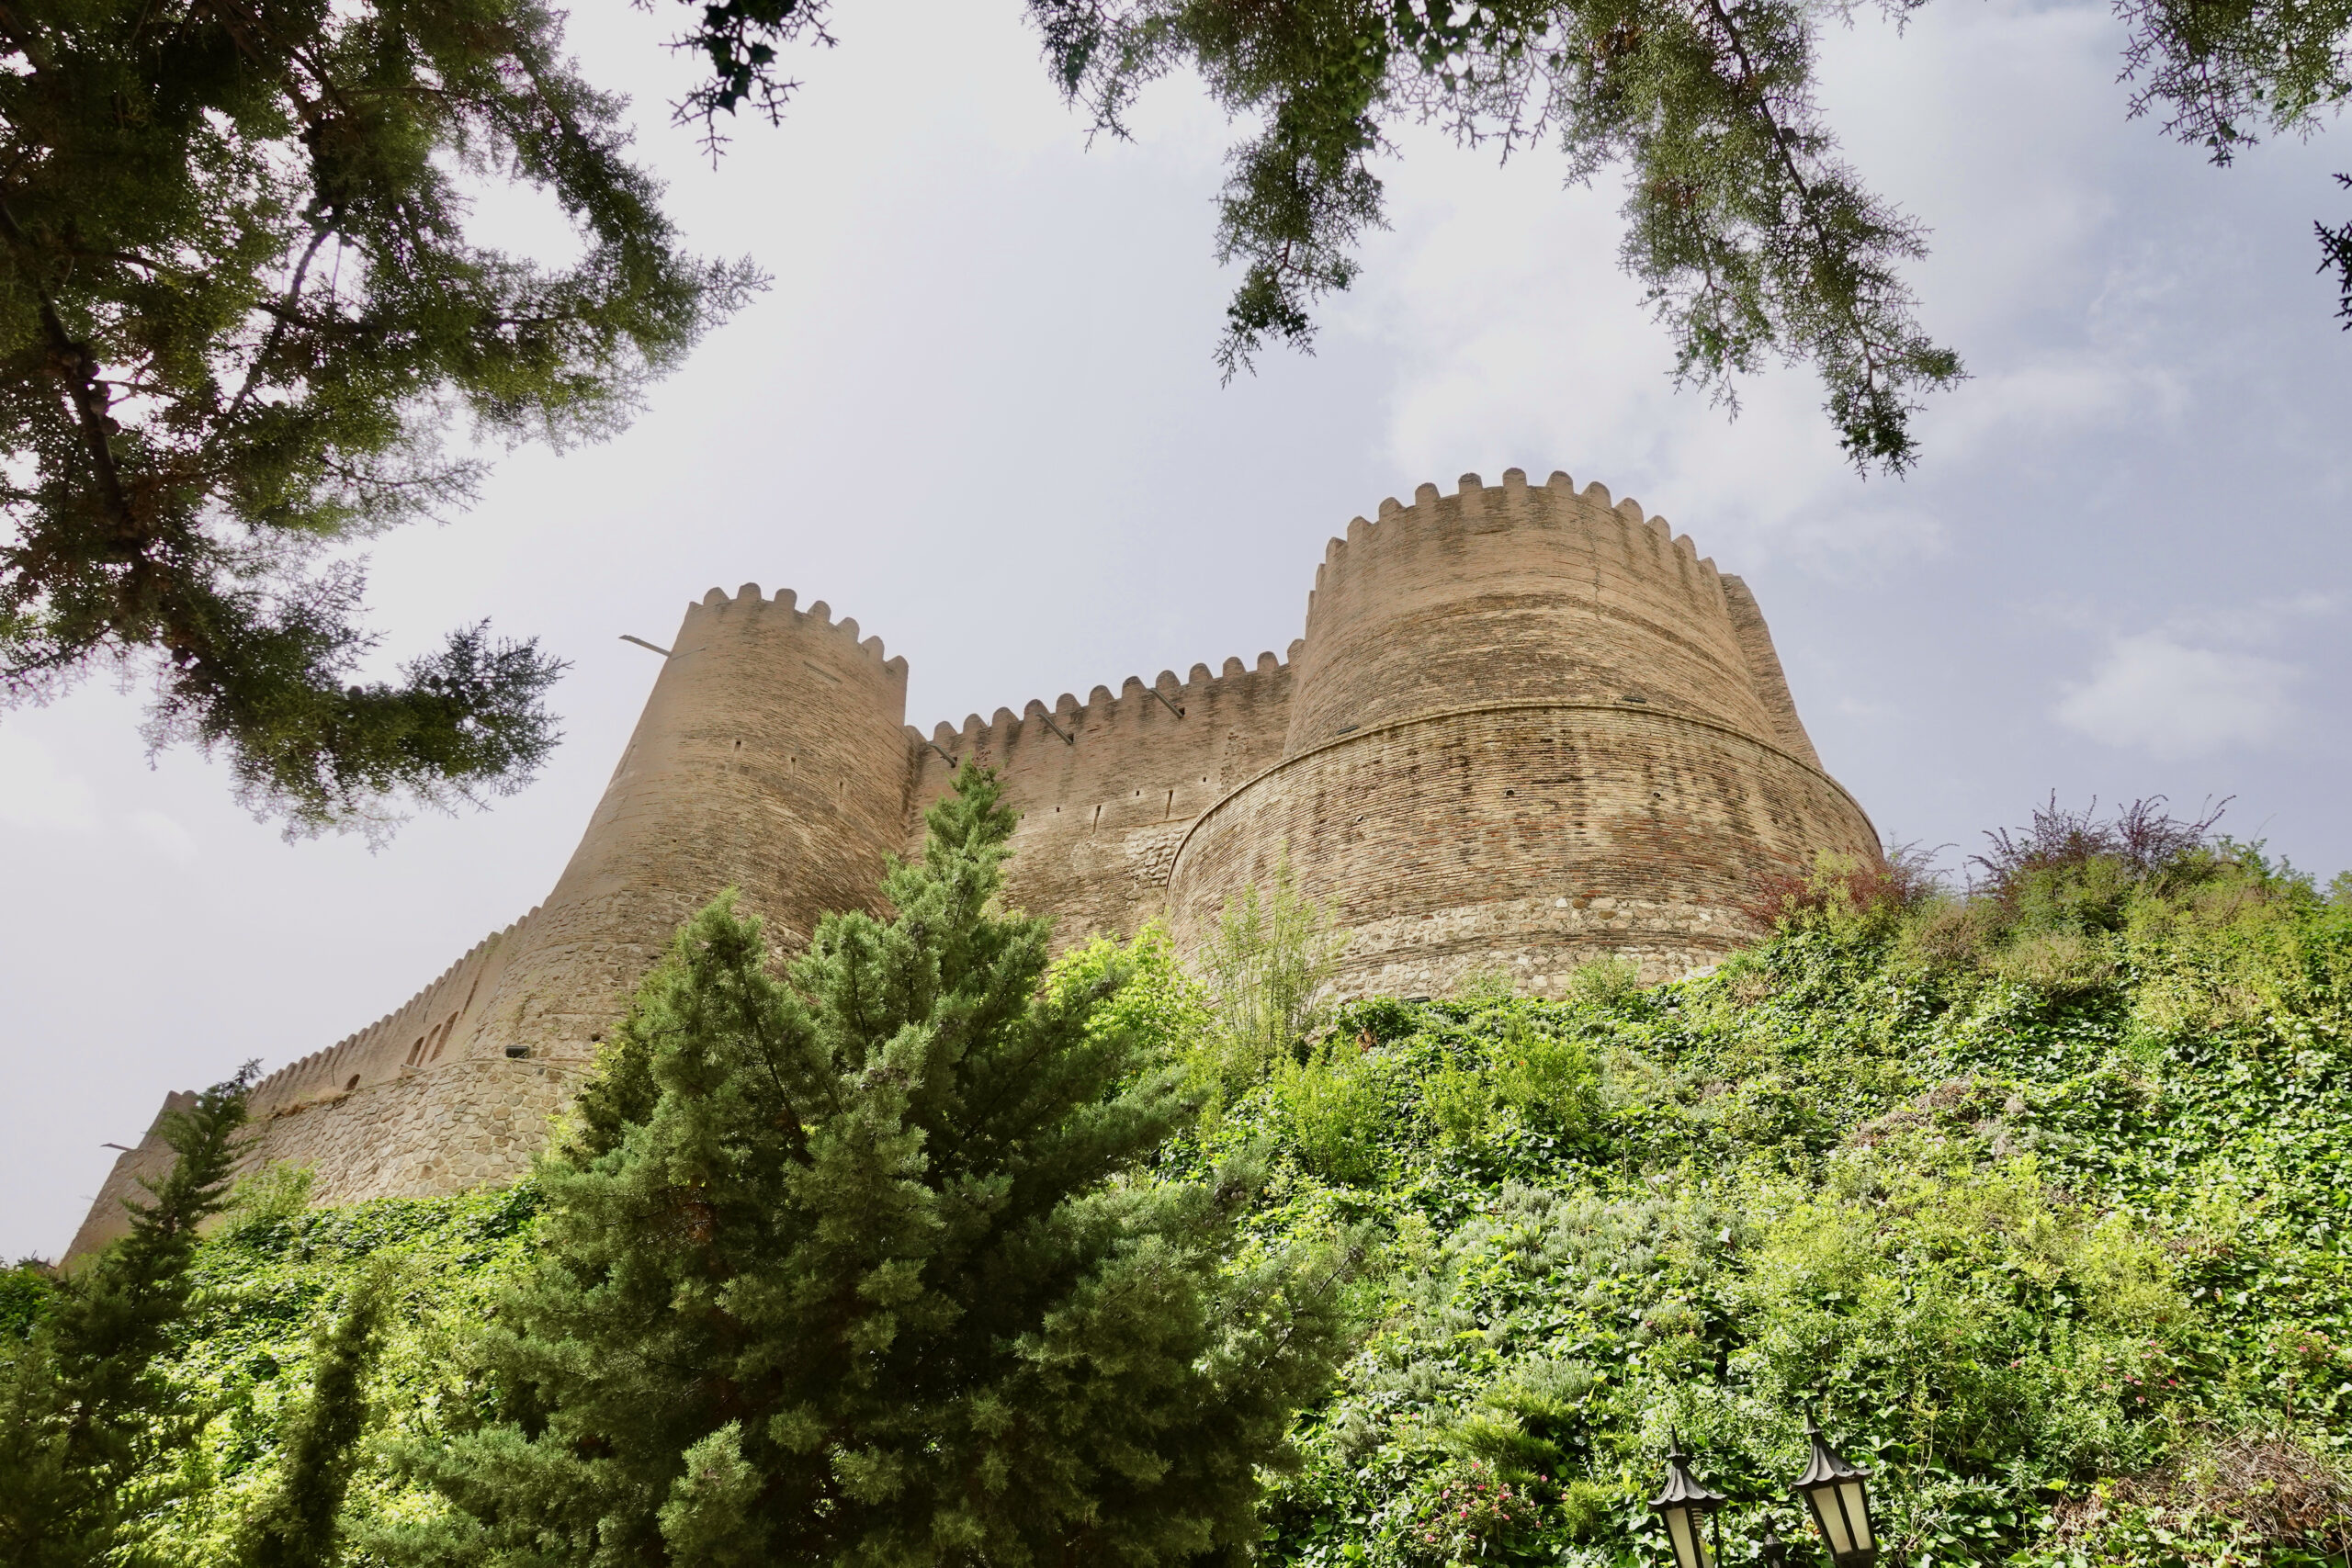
point(1101, 811)
point(1764, 670)
point(458, 1124)
point(1530, 837)
point(402, 1042)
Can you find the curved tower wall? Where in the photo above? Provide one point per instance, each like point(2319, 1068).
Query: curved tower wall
point(1529, 728)
point(1512, 593)
point(771, 757)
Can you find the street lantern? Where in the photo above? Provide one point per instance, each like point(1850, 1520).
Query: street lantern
point(1837, 1495)
point(1686, 1508)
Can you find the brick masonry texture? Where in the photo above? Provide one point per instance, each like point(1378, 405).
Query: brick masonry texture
point(1527, 726)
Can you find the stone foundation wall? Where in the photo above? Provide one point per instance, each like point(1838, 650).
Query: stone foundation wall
point(461, 1125)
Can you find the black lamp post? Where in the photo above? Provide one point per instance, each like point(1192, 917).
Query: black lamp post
point(1837, 1495)
point(1686, 1510)
point(1773, 1552)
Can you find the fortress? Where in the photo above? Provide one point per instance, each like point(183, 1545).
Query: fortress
point(1526, 727)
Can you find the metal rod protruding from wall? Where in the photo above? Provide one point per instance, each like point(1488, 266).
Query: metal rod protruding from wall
point(642, 643)
point(1067, 739)
point(942, 750)
point(1171, 707)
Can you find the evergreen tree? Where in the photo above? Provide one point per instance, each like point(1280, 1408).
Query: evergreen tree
point(239, 308)
point(298, 1527)
point(83, 1411)
point(1752, 236)
point(868, 1266)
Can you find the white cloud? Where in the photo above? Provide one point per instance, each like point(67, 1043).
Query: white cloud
point(36, 793)
point(164, 836)
point(2153, 691)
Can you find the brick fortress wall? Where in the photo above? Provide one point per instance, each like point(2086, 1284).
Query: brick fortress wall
point(1526, 727)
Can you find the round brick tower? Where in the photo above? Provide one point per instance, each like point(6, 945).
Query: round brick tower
point(754, 766)
point(1529, 728)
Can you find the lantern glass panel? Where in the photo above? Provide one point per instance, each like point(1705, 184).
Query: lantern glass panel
point(1686, 1532)
point(1856, 1508)
point(1832, 1520)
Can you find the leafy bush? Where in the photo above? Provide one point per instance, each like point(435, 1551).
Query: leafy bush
point(1332, 1109)
point(2035, 1192)
point(1604, 981)
point(1266, 969)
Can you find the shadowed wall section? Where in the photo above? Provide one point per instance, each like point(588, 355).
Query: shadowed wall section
point(1527, 726)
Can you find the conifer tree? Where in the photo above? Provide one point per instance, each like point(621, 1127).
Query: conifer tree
point(83, 1411)
point(243, 303)
point(298, 1527)
point(867, 1266)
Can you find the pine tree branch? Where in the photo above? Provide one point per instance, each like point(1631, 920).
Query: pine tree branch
point(75, 370)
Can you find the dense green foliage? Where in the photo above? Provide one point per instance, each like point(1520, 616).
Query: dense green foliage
point(301, 1525)
point(238, 306)
point(2038, 1193)
point(860, 1266)
point(87, 1421)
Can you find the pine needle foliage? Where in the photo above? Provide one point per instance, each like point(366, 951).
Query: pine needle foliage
point(298, 1527)
point(239, 308)
point(1754, 238)
point(86, 1419)
point(865, 1265)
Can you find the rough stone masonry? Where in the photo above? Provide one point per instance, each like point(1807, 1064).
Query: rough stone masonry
point(1525, 727)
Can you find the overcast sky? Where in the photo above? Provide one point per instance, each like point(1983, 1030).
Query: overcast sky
point(977, 412)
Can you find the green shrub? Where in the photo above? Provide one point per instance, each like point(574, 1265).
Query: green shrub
point(1333, 1107)
point(1489, 987)
point(2035, 1193)
point(25, 1291)
point(1548, 1078)
point(1266, 969)
point(2059, 963)
point(1460, 1101)
point(1604, 982)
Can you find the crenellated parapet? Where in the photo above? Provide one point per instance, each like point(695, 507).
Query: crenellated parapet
point(1525, 725)
point(1105, 787)
point(409, 1039)
point(1497, 593)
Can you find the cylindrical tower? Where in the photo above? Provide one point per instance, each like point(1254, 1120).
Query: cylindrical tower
point(1510, 593)
point(1530, 728)
point(771, 756)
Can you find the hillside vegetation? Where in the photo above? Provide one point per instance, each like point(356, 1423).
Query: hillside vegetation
point(2037, 1193)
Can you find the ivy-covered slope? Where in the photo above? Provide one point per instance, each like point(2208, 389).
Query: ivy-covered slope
point(2044, 1213)
point(2039, 1197)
